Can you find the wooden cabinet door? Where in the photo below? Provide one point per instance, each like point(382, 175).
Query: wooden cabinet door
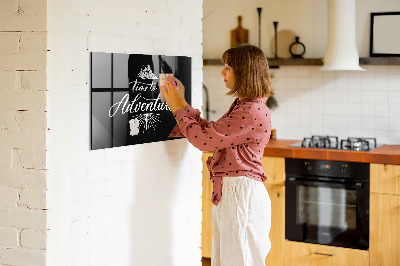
point(206, 232)
point(385, 178)
point(274, 168)
point(305, 254)
point(277, 233)
point(384, 236)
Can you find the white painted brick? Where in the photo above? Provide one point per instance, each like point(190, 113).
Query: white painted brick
point(33, 199)
point(5, 158)
point(8, 80)
point(15, 158)
point(96, 173)
point(114, 186)
point(190, 22)
point(8, 6)
point(197, 63)
point(23, 22)
point(83, 140)
point(30, 80)
point(23, 178)
point(8, 237)
point(79, 175)
point(33, 239)
point(80, 228)
point(31, 61)
point(105, 42)
point(98, 222)
point(33, 159)
point(169, 21)
point(19, 217)
point(191, 48)
point(178, 8)
point(33, 42)
point(128, 168)
point(197, 166)
point(118, 154)
point(11, 138)
point(80, 159)
point(196, 10)
point(37, 7)
point(34, 120)
point(22, 100)
point(76, 92)
point(133, 44)
point(8, 197)
point(9, 42)
point(17, 256)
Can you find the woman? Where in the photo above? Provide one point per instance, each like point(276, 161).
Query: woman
point(242, 208)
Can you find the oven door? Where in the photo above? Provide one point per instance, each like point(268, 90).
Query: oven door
point(327, 213)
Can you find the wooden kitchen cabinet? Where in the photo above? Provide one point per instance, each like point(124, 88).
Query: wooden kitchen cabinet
point(385, 178)
point(384, 215)
point(305, 254)
point(277, 233)
point(206, 225)
point(274, 168)
point(384, 236)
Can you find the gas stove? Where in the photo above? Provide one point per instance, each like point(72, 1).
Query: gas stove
point(332, 142)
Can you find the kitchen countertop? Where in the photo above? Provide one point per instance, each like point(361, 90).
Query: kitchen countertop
point(389, 154)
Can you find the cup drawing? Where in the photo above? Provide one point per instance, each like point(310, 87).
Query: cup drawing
point(162, 78)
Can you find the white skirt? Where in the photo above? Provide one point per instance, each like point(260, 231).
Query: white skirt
point(241, 223)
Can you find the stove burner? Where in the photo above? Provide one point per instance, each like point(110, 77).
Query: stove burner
point(358, 144)
point(328, 142)
point(332, 142)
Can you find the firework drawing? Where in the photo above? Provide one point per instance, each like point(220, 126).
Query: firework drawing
point(147, 121)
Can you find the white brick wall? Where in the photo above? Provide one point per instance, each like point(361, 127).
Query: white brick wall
point(23, 132)
point(136, 205)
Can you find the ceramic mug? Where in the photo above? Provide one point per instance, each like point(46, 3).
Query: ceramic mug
point(162, 79)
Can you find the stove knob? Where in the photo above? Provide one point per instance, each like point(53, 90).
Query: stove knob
point(308, 166)
point(343, 168)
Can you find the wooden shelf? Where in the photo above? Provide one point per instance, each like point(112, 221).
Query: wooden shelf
point(380, 61)
point(273, 63)
point(295, 62)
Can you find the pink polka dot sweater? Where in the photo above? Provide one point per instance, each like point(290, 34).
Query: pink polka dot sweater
point(238, 139)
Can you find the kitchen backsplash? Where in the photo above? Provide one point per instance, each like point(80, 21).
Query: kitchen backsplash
point(314, 102)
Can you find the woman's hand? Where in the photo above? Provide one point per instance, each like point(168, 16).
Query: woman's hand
point(181, 90)
point(172, 95)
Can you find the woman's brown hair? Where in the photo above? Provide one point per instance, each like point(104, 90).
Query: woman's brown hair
point(250, 66)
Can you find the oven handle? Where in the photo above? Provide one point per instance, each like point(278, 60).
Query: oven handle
point(357, 185)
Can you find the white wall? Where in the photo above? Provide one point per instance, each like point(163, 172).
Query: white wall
point(136, 205)
point(306, 19)
point(343, 104)
point(311, 102)
point(23, 133)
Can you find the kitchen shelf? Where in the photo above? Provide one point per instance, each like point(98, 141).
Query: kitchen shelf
point(380, 61)
point(273, 63)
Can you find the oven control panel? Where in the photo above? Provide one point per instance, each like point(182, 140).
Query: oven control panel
point(338, 169)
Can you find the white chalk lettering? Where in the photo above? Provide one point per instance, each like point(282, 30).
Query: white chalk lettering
point(139, 103)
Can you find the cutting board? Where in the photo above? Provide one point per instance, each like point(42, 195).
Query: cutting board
point(239, 35)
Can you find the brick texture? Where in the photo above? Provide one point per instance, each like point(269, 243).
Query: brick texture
point(23, 125)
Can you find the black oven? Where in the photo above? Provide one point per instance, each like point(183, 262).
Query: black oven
point(327, 202)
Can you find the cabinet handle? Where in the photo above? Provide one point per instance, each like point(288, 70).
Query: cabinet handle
point(324, 254)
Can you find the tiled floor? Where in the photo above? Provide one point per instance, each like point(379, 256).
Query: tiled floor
point(206, 261)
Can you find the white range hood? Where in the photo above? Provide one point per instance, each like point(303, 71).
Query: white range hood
point(341, 51)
